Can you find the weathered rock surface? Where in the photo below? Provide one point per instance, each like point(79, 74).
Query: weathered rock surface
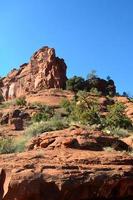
point(57, 170)
point(77, 139)
point(44, 70)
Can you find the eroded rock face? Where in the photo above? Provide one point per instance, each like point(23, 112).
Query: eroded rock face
point(64, 168)
point(44, 70)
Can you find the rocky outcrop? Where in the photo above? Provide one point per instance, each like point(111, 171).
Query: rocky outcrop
point(64, 168)
point(77, 139)
point(44, 70)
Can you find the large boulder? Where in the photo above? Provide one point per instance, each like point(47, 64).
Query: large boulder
point(44, 70)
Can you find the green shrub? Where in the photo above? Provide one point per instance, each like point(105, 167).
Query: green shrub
point(41, 127)
point(75, 84)
point(45, 112)
point(83, 110)
point(7, 145)
point(21, 101)
point(67, 105)
point(39, 117)
point(116, 117)
point(85, 115)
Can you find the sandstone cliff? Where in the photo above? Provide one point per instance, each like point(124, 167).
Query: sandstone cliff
point(44, 70)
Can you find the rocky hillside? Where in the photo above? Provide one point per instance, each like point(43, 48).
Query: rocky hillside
point(63, 139)
point(44, 70)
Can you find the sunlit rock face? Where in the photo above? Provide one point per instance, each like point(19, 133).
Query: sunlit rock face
point(44, 70)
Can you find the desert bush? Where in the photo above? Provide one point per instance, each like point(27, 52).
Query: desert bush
point(7, 146)
point(39, 117)
point(21, 101)
point(45, 112)
point(67, 105)
point(41, 127)
point(116, 117)
point(20, 143)
point(85, 115)
point(83, 110)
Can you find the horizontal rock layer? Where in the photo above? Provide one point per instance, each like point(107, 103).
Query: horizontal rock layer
point(63, 172)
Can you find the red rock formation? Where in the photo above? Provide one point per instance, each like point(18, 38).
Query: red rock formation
point(64, 168)
point(44, 70)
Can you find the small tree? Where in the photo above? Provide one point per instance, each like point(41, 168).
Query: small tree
point(92, 75)
point(125, 94)
point(75, 84)
point(108, 78)
point(86, 110)
point(116, 117)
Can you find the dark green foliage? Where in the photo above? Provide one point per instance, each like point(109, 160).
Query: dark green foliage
point(105, 87)
point(125, 94)
point(116, 117)
point(75, 84)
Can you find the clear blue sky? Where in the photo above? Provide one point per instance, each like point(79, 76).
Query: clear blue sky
point(88, 34)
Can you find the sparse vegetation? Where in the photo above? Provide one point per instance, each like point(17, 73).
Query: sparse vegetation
point(41, 127)
point(7, 145)
point(7, 104)
point(117, 132)
point(44, 113)
point(10, 145)
point(21, 101)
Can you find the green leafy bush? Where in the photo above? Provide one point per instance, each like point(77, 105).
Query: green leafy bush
point(83, 110)
point(116, 117)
